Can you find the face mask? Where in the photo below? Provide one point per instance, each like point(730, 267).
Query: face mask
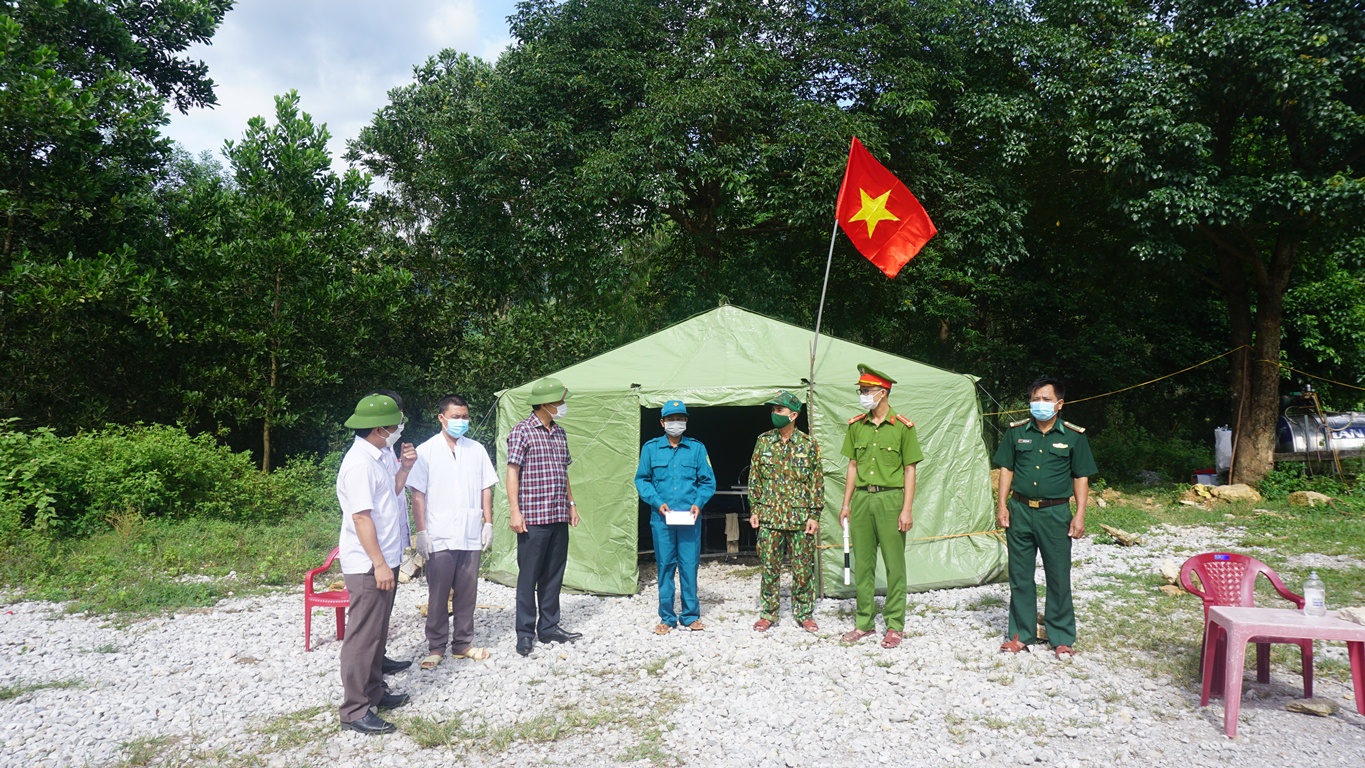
point(1042, 411)
point(457, 427)
point(561, 411)
point(675, 428)
point(868, 401)
point(393, 436)
point(781, 421)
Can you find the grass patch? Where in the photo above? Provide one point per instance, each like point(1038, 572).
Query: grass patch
point(146, 751)
point(19, 689)
point(465, 737)
point(985, 602)
point(133, 570)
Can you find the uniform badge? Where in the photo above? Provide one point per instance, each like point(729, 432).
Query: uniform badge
point(1024, 440)
point(1060, 445)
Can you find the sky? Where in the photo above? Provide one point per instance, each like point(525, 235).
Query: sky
point(342, 56)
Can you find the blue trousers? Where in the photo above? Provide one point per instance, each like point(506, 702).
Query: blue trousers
point(677, 548)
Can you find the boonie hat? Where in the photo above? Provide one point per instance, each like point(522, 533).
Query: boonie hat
point(673, 407)
point(547, 390)
point(375, 411)
point(786, 400)
point(871, 377)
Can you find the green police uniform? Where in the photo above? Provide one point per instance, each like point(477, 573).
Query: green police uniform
point(787, 490)
point(882, 452)
point(1044, 466)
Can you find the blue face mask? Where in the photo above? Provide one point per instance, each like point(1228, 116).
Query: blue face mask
point(457, 427)
point(1042, 411)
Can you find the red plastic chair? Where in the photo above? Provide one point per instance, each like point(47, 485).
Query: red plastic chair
point(338, 599)
point(1230, 579)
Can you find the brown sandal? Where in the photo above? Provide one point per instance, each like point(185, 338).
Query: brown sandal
point(1063, 649)
point(892, 638)
point(662, 629)
point(695, 626)
point(1013, 646)
point(810, 626)
point(762, 625)
point(856, 635)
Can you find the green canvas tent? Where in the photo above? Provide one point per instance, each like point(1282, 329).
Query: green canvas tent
point(732, 360)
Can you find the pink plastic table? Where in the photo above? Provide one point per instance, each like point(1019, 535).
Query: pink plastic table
point(1242, 624)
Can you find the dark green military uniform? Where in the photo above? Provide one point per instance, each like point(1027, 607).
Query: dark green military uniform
point(787, 490)
point(882, 452)
point(1044, 466)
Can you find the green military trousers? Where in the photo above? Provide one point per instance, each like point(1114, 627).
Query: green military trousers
point(1034, 532)
point(773, 547)
point(873, 525)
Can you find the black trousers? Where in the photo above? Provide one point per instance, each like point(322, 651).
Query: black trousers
point(541, 555)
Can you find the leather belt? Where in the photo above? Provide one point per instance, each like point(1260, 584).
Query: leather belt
point(1038, 503)
point(877, 488)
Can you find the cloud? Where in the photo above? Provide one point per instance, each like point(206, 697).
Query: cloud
point(342, 56)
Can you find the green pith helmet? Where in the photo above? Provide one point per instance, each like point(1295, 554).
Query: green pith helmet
point(549, 390)
point(786, 400)
point(375, 411)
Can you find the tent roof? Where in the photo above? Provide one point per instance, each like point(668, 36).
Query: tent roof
point(730, 347)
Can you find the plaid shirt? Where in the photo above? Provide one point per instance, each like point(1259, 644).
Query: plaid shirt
point(543, 455)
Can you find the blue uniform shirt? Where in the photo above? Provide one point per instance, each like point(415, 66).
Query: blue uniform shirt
point(678, 477)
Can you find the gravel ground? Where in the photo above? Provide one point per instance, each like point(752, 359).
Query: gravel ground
point(232, 686)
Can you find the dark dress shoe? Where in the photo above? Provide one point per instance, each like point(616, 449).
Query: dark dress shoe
point(559, 636)
point(371, 724)
point(389, 666)
point(524, 645)
point(393, 700)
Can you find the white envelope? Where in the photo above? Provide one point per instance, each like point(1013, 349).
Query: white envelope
point(678, 517)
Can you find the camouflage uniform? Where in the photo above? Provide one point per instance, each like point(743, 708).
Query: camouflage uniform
point(786, 488)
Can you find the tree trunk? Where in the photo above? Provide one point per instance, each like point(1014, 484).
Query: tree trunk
point(1255, 447)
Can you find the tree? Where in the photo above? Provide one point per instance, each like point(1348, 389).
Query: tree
point(82, 83)
point(1231, 133)
point(279, 300)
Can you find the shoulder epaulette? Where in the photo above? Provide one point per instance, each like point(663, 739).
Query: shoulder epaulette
point(857, 418)
point(904, 420)
point(1018, 423)
point(1069, 425)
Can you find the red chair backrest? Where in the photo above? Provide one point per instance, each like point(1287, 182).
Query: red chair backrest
point(1229, 579)
point(308, 577)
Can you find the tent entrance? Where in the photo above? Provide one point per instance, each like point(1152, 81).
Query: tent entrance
point(728, 432)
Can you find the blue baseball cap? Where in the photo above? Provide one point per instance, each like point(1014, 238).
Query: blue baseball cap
point(673, 407)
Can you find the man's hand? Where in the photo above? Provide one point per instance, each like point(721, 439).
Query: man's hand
point(1002, 516)
point(906, 521)
point(424, 543)
point(812, 527)
point(843, 515)
point(517, 523)
point(753, 520)
point(663, 509)
point(573, 515)
point(1077, 529)
point(383, 577)
point(486, 536)
point(408, 456)
point(696, 510)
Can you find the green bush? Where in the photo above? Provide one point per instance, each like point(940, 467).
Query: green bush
point(78, 485)
point(1289, 477)
point(1123, 448)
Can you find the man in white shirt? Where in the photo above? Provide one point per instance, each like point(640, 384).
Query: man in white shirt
point(452, 507)
point(398, 469)
point(371, 548)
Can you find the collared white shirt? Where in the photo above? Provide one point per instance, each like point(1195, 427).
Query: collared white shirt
point(392, 465)
point(453, 482)
point(364, 483)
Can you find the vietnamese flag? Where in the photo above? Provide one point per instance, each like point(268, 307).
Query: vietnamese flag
point(885, 222)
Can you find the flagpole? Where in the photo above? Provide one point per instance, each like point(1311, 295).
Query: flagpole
point(820, 313)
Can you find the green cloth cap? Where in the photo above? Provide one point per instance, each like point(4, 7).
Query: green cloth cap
point(786, 400)
point(548, 390)
point(375, 411)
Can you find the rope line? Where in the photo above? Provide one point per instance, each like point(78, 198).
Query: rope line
point(1143, 384)
point(998, 533)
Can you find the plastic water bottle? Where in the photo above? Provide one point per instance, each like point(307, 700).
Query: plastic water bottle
point(1314, 596)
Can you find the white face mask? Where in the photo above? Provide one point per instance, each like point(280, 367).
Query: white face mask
point(868, 401)
point(561, 411)
point(393, 436)
point(675, 428)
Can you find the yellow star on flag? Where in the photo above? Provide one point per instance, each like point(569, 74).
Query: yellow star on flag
point(873, 211)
